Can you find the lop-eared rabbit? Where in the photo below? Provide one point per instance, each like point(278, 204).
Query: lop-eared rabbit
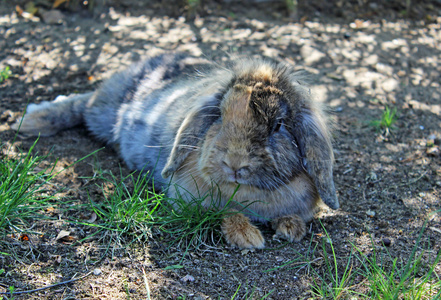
point(202, 128)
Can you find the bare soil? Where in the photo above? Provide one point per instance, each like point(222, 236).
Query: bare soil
point(360, 59)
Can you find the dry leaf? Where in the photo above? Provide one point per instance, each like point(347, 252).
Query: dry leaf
point(19, 10)
point(63, 234)
point(92, 218)
point(187, 278)
point(435, 229)
point(59, 2)
point(24, 237)
point(57, 258)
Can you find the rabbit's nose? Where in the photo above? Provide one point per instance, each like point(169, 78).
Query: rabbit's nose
point(235, 173)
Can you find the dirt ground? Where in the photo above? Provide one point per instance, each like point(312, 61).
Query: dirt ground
point(360, 57)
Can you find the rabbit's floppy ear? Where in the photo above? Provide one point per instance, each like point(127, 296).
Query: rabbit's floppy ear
point(314, 141)
point(192, 131)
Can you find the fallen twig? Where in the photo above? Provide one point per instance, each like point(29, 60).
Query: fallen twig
point(46, 287)
point(146, 283)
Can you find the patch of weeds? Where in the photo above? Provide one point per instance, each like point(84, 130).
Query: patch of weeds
point(189, 223)
point(375, 276)
point(24, 187)
point(291, 6)
point(388, 118)
point(127, 206)
point(249, 294)
point(10, 292)
point(132, 211)
point(334, 282)
point(193, 4)
point(329, 280)
point(407, 279)
point(21, 189)
point(5, 74)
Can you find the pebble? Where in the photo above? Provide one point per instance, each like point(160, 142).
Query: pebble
point(433, 151)
point(386, 242)
point(53, 16)
point(187, 278)
point(97, 272)
point(370, 213)
point(311, 55)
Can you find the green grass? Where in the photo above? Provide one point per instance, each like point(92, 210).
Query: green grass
point(402, 278)
point(126, 207)
point(5, 74)
point(21, 189)
point(132, 211)
point(377, 275)
point(388, 118)
point(128, 210)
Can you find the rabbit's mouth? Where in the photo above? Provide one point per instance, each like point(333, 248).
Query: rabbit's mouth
point(261, 183)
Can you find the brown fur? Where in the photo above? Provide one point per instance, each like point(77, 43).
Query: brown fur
point(240, 232)
point(292, 228)
point(251, 125)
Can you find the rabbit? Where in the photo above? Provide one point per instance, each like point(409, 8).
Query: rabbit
point(249, 129)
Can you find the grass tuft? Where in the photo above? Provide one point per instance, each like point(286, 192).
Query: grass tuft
point(127, 205)
point(377, 275)
point(388, 118)
point(130, 210)
point(21, 189)
point(411, 278)
point(5, 74)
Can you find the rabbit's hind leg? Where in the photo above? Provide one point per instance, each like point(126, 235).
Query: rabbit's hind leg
point(47, 118)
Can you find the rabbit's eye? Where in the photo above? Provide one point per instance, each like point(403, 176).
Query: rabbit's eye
point(278, 126)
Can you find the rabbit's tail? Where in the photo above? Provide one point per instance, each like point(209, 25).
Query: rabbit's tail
point(48, 118)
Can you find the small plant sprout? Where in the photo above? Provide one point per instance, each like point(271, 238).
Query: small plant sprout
point(387, 120)
point(5, 74)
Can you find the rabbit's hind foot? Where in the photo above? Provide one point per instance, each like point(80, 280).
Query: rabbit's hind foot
point(47, 118)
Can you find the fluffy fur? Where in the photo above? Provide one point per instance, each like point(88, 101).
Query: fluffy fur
point(206, 129)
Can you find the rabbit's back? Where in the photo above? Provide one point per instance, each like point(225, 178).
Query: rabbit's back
point(141, 108)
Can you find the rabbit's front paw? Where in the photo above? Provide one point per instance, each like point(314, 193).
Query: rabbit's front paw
point(239, 232)
point(291, 228)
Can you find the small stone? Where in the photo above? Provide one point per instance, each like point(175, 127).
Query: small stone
point(433, 151)
point(187, 278)
point(97, 272)
point(311, 55)
point(53, 16)
point(373, 5)
point(389, 85)
point(370, 213)
point(386, 242)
